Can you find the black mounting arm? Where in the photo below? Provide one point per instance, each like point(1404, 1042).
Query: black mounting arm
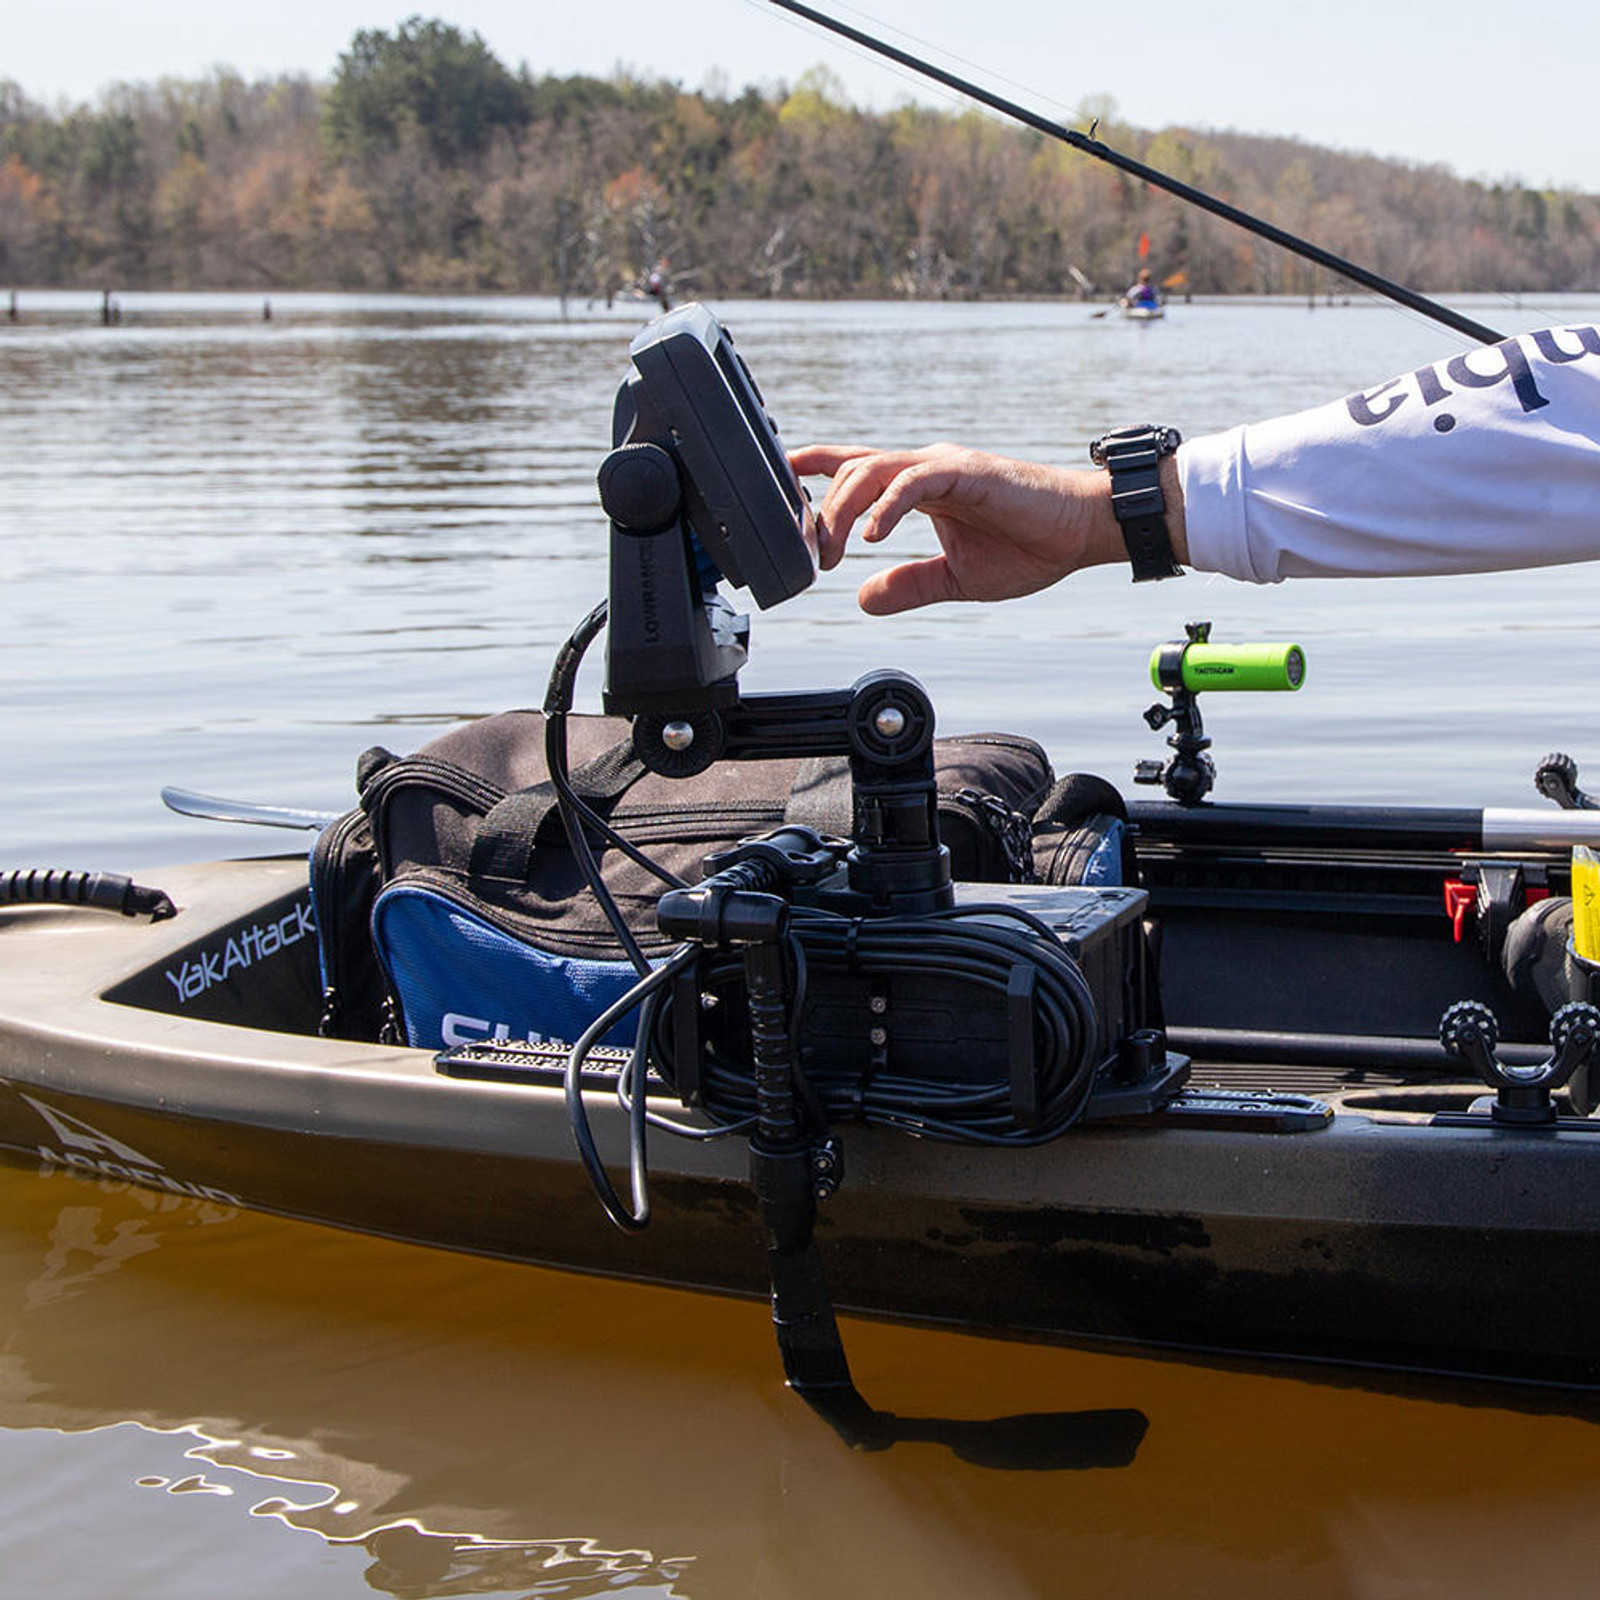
point(674, 643)
point(884, 724)
point(674, 652)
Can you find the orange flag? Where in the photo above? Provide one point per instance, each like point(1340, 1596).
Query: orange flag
point(1144, 246)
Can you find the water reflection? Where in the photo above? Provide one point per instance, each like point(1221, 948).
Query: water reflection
point(530, 1428)
point(414, 1565)
point(220, 1526)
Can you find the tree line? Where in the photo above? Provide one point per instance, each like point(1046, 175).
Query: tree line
point(426, 164)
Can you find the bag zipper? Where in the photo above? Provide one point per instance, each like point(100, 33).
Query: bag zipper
point(571, 942)
point(1009, 830)
point(327, 866)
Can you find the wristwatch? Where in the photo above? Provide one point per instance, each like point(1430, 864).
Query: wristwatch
point(1133, 457)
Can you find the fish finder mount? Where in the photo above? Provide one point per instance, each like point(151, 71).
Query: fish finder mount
point(698, 488)
point(828, 942)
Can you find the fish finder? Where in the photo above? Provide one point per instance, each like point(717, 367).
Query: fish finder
point(698, 488)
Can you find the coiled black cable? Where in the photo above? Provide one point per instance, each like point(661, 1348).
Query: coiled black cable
point(979, 957)
point(978, 960)
point(645, 995)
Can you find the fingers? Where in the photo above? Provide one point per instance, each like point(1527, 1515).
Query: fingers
point(911, 489)
point(828, 460)
point(823, 460)
point(908, 586)
point(879, 486)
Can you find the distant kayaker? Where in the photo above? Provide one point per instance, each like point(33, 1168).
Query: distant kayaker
point(1479, 462)
point(1141, 293)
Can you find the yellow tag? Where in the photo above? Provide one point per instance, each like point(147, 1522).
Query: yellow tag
point(1586, 902)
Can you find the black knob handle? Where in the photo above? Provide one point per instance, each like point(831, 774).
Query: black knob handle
point(1468, 1028)
point(639, 487)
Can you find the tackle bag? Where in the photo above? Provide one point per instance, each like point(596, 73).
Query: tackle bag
point(1080, 835)
point(450, 906)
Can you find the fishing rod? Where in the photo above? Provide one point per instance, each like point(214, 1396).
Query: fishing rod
point(1090, 146)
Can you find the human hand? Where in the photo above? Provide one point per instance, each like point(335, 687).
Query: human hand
point(1005, 527)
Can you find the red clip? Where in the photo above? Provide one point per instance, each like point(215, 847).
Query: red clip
point(1459, 899)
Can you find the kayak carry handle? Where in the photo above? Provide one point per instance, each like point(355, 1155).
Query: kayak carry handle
point(103, 891)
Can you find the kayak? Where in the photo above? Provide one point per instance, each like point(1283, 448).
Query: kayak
point(1331, 1184)
point(1143, 313)
point(1309, 1082)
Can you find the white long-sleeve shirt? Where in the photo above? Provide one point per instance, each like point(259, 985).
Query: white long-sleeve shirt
point(1484, 460)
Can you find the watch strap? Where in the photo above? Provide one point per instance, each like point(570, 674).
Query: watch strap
point(1133, 457)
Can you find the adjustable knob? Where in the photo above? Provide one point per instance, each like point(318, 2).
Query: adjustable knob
point(1576, 1028)
point(639, 487)
point(891, 718)
point(1574, 1036)
point(1469, 1029)
point(1556, 778)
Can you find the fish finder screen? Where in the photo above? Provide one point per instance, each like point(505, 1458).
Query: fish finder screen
point(743, 503)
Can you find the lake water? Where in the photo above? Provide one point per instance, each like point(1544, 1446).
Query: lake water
point(235, 552)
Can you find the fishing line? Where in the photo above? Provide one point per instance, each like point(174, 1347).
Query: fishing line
point(934, 93)
point(1088, 145)
point(948, 97)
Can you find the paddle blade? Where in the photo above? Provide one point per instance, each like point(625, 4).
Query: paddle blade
point(189, 804)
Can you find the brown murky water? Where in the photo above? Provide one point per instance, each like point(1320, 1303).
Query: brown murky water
point(234, 554)
point(204, 1403)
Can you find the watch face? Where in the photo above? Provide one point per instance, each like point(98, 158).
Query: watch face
point(1163, 440)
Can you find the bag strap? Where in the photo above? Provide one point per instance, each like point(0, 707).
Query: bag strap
point(504, 843)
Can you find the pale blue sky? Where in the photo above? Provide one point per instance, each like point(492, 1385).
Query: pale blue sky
point(1453, 84)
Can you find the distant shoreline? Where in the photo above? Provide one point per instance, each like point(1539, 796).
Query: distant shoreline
point(426, 167)
point(72, 297)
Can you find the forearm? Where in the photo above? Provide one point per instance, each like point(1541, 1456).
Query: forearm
point(1483, 461)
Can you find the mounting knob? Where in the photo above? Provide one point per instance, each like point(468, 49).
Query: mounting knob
point(890, 720)
point(1468, 1029)
point(1556, 778)
point(1576, 1023)
point(638, 486)
point(1575, 1037)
